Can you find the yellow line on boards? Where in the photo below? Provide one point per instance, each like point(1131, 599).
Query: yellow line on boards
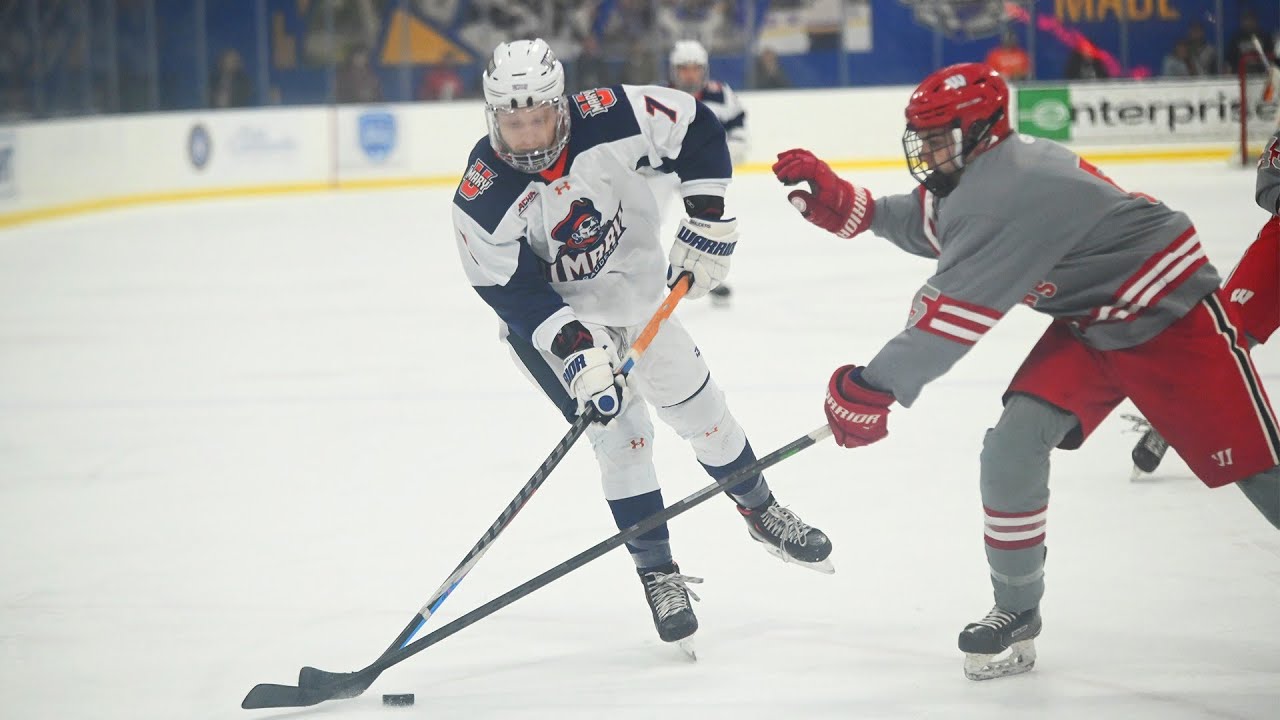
point(55, 212)
point(83, 207)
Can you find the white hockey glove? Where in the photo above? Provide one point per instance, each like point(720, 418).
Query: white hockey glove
point(703, 248)
point(589, 375)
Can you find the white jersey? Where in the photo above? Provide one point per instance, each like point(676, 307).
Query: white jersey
point(723, 101)
point(580, 239)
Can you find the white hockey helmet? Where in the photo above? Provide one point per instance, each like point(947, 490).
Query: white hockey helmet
point(525, 106)
point(692, 55)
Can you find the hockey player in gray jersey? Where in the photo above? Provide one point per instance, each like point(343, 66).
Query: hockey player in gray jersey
point(557, 231)
point(1137, 313)
point(1252, 291)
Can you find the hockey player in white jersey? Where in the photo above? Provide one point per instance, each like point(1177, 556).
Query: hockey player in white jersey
point(690, 68)
point(690, 71)
point(557, 231)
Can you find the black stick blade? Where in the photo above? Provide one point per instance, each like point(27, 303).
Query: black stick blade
point(351, 683)
point(314, 687)
point(267, 695)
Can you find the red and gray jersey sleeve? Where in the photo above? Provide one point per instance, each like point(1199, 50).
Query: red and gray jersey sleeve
point(987, 266)
point(908, 222)
point(1267, 191)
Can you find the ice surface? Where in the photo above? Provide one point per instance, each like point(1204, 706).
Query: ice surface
point(238, 437)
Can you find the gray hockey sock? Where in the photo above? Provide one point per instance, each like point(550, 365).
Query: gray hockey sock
point(1263, 490)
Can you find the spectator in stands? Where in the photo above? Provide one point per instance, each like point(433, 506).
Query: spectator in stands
point(591, 70)
point(1202, 53)
point(622, 21)
point(1241, 45)
point(356, 81)
point(641, 67)
point(440, 82)
point(14, 80)
point(713, 23)
point(1009, 59)
point(1180, 63)
point(769, 74)
point(230, 86)
point(1085, 66)
point(485, 23)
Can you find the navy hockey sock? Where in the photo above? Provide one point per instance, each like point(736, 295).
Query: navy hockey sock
point(751, 493)
point(652, 548)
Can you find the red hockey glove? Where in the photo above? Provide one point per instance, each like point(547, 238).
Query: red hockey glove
point(857, 414)
point(832, 203)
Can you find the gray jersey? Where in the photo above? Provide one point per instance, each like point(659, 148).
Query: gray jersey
point(1032, 223)
point(1267, 191)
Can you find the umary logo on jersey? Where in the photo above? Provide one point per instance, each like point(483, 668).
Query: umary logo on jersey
point(594, 102)
point(478, 179)
point(586, 242)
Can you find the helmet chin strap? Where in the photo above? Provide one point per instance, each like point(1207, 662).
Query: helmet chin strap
point(958, 151)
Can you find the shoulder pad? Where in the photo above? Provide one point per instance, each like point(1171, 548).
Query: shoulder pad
point(488, 187)
point(600, 116)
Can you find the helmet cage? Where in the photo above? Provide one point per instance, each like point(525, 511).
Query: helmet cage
point(693, 87)
point(936, 155)
point(529, 160)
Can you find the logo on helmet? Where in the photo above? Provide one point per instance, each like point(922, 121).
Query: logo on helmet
point(586, 242)
point(594, 102)
point(476, 180)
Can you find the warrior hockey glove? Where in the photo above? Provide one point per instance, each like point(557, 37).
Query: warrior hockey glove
point(857, 414)
point(588, 371)
point(703, 248)
point(833, 204)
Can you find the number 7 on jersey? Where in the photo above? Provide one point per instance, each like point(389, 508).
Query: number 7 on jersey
point(653, 107)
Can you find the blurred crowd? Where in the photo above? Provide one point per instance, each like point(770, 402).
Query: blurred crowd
point(60, 57)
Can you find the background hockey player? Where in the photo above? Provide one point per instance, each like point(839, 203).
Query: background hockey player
point(690, 71)
point(1252, 291)
point(558, 232)
point(1137, 313)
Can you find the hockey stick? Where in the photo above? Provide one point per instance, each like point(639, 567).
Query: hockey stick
point(310, 676)
point(343, 685)
point(1273, 73)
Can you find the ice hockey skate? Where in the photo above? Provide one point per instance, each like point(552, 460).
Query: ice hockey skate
point(1150, 449)
point(667, 592)
point(787, 537)
point(985, 643)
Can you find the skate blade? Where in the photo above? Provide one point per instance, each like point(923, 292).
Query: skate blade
point(689, 648)
point(823, 566)
point(1020, 658)
point(1136, 474)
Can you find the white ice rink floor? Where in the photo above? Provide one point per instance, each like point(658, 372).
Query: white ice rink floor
point(239, 437)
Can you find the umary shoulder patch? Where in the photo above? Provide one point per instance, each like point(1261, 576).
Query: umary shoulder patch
point(478, 178)
point(595, 102)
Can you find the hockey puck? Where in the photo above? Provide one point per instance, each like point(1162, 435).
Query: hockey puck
point(398, 700)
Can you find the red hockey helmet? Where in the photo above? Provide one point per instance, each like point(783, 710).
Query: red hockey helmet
point(954, 115)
